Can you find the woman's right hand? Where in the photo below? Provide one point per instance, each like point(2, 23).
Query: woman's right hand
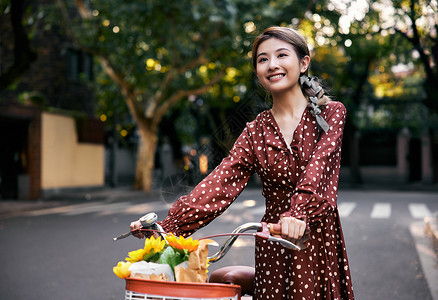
point(135, 228)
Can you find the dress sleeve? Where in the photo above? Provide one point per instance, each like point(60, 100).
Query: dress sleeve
point(212, 196)
point(315, 195)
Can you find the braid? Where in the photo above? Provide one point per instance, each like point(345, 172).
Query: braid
point(314, 93)
point(312, 87)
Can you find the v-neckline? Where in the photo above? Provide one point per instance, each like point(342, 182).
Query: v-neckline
point(280, 133)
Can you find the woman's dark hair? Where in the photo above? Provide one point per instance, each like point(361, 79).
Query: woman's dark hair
point(298, 42)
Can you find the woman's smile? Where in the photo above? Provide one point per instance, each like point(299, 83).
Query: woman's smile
point(275, 77)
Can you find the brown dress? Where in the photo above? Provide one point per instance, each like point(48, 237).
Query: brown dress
point(299, 180)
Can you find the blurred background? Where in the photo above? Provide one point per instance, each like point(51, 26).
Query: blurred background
point(152, 94)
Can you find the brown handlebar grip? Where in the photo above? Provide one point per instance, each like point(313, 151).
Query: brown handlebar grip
point(275, 229)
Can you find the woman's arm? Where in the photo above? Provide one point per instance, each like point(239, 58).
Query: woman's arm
point(315, 195)
point(212, 196)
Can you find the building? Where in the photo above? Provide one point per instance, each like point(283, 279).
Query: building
point(49, 139)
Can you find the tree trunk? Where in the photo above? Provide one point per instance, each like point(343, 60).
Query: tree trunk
point(145, 155)
point(352, 138)
point(24, 55)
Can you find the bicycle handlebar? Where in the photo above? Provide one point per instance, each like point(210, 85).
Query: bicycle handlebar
point(264, 231)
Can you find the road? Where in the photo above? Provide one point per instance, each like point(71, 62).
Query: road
point(67, 252)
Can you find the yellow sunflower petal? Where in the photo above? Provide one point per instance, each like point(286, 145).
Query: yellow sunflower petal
point(181, 243)
point(122, 269)
point(153, 244)
point(136, 255)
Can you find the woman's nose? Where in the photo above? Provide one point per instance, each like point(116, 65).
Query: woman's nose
point(273, 64)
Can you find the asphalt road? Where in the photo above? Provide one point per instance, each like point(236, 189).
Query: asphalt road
point(67, 252)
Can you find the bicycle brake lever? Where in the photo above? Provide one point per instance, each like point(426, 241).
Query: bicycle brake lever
point(122, 236)
point(147, 221)
point(284, 243)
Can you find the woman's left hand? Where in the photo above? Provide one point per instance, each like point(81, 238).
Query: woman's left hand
point(292, 229)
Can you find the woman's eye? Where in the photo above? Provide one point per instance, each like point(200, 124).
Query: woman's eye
point(282, 55)
point(262, 59)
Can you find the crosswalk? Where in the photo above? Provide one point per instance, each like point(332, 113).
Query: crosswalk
point(249, 208)
point(383, 210)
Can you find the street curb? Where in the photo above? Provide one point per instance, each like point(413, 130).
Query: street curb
point(428, 257)
point(431, 224)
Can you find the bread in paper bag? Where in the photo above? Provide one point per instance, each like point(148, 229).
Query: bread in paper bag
point(195, 269)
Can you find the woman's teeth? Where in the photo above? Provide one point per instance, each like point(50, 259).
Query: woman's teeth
point(275, 77)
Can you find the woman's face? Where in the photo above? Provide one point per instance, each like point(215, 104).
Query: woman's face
point(278, 67)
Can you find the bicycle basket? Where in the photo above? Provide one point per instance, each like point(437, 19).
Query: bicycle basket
point(149, 289)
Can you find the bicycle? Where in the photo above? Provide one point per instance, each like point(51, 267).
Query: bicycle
point(225, 283)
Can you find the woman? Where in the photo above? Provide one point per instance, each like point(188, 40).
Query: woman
point(295, 148)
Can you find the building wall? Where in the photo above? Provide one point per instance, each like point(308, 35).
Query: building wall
point(66, 163)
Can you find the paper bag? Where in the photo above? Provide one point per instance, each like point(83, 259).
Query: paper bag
point(195, 270)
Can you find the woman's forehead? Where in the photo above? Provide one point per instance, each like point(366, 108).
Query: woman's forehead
point(273, 45)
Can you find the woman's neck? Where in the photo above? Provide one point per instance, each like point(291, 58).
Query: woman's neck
point(289, 105)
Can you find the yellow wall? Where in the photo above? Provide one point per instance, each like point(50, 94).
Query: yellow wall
point(65, 162)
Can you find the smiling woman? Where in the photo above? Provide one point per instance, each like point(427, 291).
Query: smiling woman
point(295, 148)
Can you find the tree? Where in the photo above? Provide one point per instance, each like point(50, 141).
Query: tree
point(155, 51)
point(417, 22)
point(161, 52)
point(24, 55)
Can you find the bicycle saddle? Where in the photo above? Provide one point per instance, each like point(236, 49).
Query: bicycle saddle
point(239, 275)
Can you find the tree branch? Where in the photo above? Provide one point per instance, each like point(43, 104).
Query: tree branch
point(161, 111)
point(159, 95)
point(414, 25)
point(405, 35)
point(83, 10)
point(200, 60)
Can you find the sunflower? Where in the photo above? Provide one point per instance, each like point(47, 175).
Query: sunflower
point(153, 244)
point(181, 243)
point(136, 255)
point(122, 269)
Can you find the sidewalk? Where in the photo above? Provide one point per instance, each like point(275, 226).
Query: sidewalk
point(431, 224)
point(13, 208)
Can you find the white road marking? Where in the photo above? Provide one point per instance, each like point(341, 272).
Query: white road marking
point(345, 208)
point(381, 211)
point(419, 210)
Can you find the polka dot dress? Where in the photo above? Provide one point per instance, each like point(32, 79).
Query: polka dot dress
point(299, 180)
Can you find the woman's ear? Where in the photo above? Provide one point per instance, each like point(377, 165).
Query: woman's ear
point(304, 65)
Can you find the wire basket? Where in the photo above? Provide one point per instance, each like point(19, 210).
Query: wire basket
point(143, 289)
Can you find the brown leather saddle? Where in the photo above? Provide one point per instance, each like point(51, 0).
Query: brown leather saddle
point(238, 275)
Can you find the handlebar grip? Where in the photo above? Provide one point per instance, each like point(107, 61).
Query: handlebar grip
point(274, 229)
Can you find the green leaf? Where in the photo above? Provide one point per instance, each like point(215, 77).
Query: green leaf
point(172, 257)
point(151, 257)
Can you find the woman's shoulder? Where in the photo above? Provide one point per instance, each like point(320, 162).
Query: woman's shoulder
point(259, 120)
point(257, 123)
point(334, 105)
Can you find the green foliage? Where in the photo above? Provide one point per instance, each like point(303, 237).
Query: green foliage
point(173, 257)
point(152, 256)
point(148, 40)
